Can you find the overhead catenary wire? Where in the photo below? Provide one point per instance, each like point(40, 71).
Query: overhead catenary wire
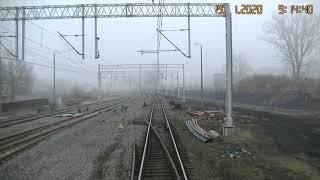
point(46, 66)
point(43, 29)
point(57, 52)
point(174, 30)
point(32, 53)
point(43, 65)
point(80, 65)
point(159, 26)
point(5, 48)
point(36, 56)
point(54, 34)
point(63, 38)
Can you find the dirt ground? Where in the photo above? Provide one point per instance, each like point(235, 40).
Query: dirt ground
point(282, 146)
point(44, 109)
point(98, 148)
point(11, 130)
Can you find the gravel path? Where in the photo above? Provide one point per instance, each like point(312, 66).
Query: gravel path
point(94, 149)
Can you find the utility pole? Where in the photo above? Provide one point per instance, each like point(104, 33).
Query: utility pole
point(201, 70)
point(166, 79)
point(83, 29)
point(189, 33)
point(17, 34)
point(158, 62)
point(184, 91)
point(0, 69)
point(99, 77)
point(201, 78)
point(96, 38)
point(172, 85)
point(111, 84)
point(140, 80)
point(228, 128)
point(23, 33)
point(54, 80)
point(178, 93)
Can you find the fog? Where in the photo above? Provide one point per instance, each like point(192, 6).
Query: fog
point(121, 38)
point(65, 117)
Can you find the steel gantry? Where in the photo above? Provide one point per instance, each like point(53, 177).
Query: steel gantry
point(96, 11)
point(106, 71)
point(111, 11)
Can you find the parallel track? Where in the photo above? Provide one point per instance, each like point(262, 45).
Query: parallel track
point(160, 157)
point(19, 120)
point(17, 142)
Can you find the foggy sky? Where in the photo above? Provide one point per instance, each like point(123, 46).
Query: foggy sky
point(120, 39)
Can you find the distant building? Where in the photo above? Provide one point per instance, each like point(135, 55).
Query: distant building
point(219, 81)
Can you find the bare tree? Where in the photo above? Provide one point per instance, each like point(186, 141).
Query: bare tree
point(297, 37)
point(241, 68)
point(20, 78)
point(16, 77)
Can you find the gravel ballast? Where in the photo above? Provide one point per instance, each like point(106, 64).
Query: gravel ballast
point(98, 148)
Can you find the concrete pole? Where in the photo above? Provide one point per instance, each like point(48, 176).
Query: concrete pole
point(172, 84)
point(183, 93)
point(96, 33)
point(23, 32)
point(0, 68)
point(54, 79)
point(83, 32)
point(178, 93)
point(158, 63)
point(201, 78)
point(228, 123)
point(166, 79)
point(140, 79)
point(17, 34)
point(189, 33)
point(111, 82)
point(99, 77)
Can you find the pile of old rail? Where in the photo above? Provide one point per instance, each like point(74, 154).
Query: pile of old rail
point(160, 157)
point(197, 131)
point(17, 142)
point(18, 120)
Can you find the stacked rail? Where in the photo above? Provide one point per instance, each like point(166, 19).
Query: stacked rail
point(197, 131)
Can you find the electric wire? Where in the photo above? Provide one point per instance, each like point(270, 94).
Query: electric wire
point(42, 65)
point(57, 52)
point(32, 53)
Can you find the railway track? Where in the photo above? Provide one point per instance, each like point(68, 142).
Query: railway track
point(23, 119)
point(15, 143)
point(160, 158)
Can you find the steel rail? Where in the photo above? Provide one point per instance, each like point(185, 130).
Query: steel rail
point(179, 175)
point(146, 142)
point(133, 160)
point(194, 132)
point(167, 153)
point(174, 143)
point(8, 122)
point(17, 144)
point(56, 111)
point(27, 132)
